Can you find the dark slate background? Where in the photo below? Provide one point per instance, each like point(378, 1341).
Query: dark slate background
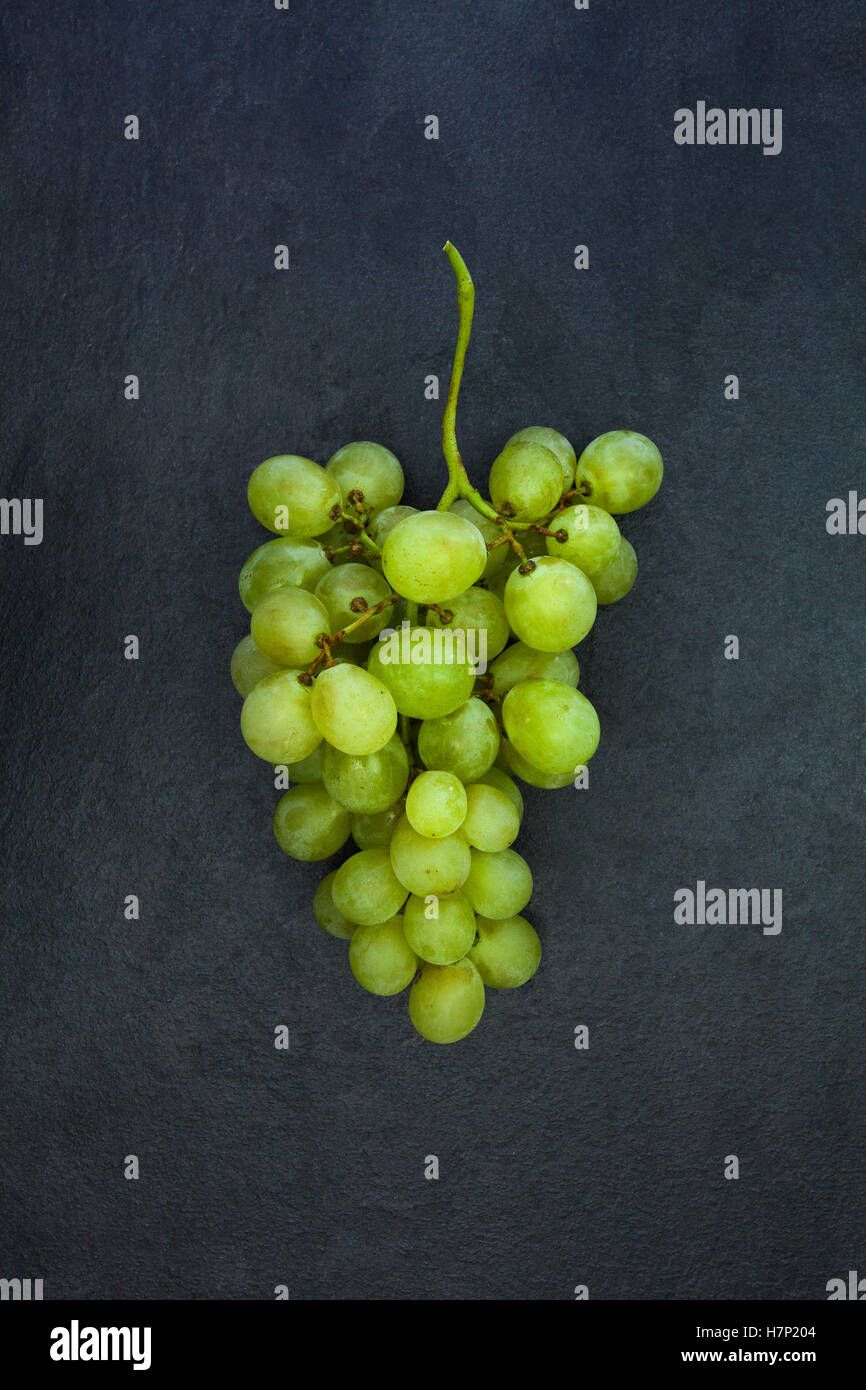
point(558, 1167)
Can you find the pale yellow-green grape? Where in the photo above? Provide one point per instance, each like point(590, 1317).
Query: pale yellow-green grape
point(285, 626)
point(309, 769)
point(555, 442)
point(433, 556)
point(489, 532)
point(428, 866)
point(337, 589)
point(375, 831)
point(309, 824)
point(551, 608)
point(327, 914)
point(436, 804)
point(440, 930)
point(593, 538)
point(353, 710)
point(447, 1001)
point(507, 952)
point(525, 481)
point(551, 724)
point(423, 670)
point(367, 783)
point(381, 958)
point(496, 777)
point(614, 582)
point(620, 471)
point(511, 761)
point(478, 610)
point(381, 526)
point(284, 563)
point(465, 742)
point(520, 663)
point(366, 889)
point(277, 720)
point(492, 820)
point(498, 885)
point(368, 468)
point(293, 495)
point(249, 666)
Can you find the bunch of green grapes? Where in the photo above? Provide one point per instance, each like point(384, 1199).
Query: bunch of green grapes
point(403, 667)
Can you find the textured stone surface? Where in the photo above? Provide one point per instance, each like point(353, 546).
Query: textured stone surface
point(155, 1038)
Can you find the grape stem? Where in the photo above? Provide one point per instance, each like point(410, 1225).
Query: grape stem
point(328, 640)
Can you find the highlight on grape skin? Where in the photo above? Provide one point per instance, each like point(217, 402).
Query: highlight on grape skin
point(405, 670)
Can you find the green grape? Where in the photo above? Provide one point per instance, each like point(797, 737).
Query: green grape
point(293, 495)
point(593, 538)
point(532, 543)
point(478, 610)
point(440, 930)
point(277, 720)
point(447, 1001)
point(490, 532)
point(369, 468)
point(465, 742)
point(367, 783)
point(551, 608)
point(337, 589)
point(555, 442)
point(249, 666)
point(614, 582)
point(436, 804)
point(432, 557)
point(309, 769)
point(510, 759)
point(520, 663)
point(283, 563)
point(327, 914)
point(374, 830)
point(425, 684)
point(383, 522)
point(285, 626)
point(492, 820)
point(498, 885)
point(381, 958)
point(507, 952)
point(428, 866)
point(620, 471)
point(352, 709)
point(550, 724)
point(495, 777)
point(366, 889)
point(309, 824)
point(526, 481)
